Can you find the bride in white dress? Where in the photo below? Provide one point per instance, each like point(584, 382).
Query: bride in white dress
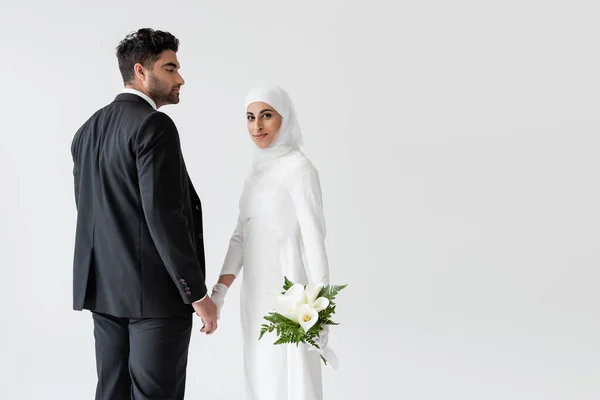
point(280, 232)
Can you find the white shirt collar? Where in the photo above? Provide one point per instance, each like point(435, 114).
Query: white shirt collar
point(142, 95)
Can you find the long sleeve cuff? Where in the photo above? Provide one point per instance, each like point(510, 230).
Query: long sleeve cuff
point(198, 301)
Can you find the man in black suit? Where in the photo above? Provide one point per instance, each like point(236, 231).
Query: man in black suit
point(139, 254)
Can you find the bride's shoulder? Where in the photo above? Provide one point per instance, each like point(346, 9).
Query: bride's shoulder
point(299, 167)
point(296, 161)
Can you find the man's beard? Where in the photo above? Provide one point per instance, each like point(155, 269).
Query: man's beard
point(161, 92)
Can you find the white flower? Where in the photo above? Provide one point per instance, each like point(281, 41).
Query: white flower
point(307, 317)
point(295, 297)
point(311, 293)
point(287, 304)
point(296, 292)
point(287, 307)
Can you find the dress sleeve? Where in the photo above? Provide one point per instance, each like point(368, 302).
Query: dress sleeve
point(305, 191)
point(234, 258)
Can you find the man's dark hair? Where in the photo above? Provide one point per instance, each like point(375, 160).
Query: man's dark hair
point(144, 47)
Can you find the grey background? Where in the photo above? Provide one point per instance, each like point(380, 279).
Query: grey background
point(458, 148)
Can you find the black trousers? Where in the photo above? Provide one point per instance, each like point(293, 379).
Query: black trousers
point(141, 359)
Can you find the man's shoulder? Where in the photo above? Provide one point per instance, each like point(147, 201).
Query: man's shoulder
point(130, 107)
point(158, 117)
point(157, 124)
point(133, 114)
point(127, 114)
point(86, 125)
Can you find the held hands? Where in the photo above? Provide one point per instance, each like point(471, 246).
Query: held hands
point(207, 311)
point(209, 308)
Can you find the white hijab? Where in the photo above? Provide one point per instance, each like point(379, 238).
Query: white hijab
point(289, 137)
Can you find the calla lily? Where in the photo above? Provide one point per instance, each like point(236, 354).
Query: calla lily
point(287, 306)
point(307, 317)
point(296, 292)
point(312, 291)
point(320, 304)
point(288, 303)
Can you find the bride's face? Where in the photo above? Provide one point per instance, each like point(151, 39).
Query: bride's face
point(263, 123)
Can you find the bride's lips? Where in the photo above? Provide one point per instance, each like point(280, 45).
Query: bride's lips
point(261, 136)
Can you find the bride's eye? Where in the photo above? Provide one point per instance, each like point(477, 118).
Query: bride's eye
point(250, 118)
point(266, 115)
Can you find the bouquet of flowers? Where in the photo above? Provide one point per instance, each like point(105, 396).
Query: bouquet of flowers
point(301, 313)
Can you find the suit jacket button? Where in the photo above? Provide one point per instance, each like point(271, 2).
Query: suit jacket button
point(188, 293)
point(200, 236)
point(187, 288)
point(198, 207)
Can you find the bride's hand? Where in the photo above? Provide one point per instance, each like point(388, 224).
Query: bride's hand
point(218, 296)
point(324, 337)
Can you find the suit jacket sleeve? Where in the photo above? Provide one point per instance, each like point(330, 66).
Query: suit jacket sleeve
point(74, 151)
point(76, 185)
point(162, 180)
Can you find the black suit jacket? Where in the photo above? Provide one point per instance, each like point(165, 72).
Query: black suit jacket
point(139, 251)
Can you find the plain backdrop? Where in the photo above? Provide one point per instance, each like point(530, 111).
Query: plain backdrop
point(457, 144)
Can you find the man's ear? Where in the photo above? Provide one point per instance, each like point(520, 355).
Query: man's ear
point(140, 72)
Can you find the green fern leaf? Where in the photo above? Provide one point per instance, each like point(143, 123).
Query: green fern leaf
point(287, 284)
point(331, 291)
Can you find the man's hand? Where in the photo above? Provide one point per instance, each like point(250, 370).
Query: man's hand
point(207, 311)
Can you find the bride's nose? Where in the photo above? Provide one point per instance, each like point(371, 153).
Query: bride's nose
point(258, 127)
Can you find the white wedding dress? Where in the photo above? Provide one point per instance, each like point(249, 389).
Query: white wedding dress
point(280, 232)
